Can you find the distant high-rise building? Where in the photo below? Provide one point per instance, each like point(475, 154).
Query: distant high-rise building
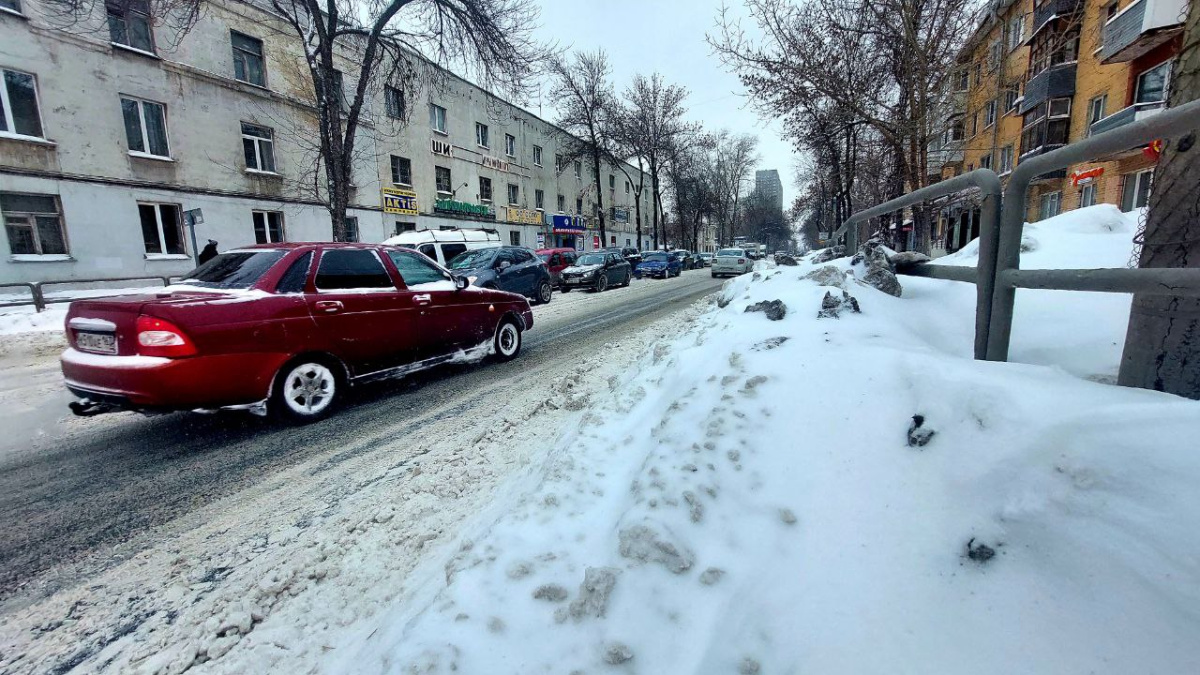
point(767, 183)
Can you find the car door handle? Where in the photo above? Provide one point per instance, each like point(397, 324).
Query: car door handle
point(329, 306)
point(422, 299)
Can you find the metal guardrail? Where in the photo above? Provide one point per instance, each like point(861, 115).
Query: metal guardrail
point(984, 275)
point(1009, 276)
point(38, 295)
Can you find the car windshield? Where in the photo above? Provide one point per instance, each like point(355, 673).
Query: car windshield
point(730, 253)
point(591, 259)
point(472, 259)
point(656, 257)
point(235, 270)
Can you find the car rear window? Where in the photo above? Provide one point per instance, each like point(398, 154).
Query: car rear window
point(656, 257)
point(294, 278)
point(233, 270)
point(731, 253)
point(351, 268)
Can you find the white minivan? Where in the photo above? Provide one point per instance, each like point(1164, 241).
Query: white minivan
point(443, 245)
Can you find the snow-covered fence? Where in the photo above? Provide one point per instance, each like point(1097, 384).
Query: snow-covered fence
point(39, 298)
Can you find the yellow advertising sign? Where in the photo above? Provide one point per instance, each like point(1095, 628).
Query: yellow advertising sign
point(400, 201)
point(524, 216)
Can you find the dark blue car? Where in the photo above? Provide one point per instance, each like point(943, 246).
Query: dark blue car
point(507, 268)
point(661, 265)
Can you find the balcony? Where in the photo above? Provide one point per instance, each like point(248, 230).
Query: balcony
point(1120, 118)
point(1050, 9)
point(1141, 27)
point(1053, 82)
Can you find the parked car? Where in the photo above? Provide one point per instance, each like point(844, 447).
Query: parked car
point(661, 265)
point(731, 262)
point(629, 253)
point(707, 259)
point(443, 245)
point(684, 258)
point(506, 268)
point(697, 261)
point(556, 260)
point(282, 328)
point(597, 270)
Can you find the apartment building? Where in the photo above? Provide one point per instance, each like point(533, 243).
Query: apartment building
point(1039, 74)
point(125, 145)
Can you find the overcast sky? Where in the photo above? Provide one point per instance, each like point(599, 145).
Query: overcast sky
point(667, 37)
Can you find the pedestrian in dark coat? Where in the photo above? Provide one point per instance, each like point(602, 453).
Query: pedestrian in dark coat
point(209, 252)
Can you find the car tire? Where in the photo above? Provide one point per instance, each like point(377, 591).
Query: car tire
point(628, 279)
point(306, 390)
point(714, 275)
point(564, 289)
point(544, 293)
point(506, 345)
point(602, 283)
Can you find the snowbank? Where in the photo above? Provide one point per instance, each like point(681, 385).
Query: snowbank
point(748, 501)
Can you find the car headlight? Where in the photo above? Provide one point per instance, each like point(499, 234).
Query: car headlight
point(471, 280)
point(587, 275)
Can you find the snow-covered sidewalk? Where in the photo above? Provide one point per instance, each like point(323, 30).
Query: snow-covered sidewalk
point(840, 494)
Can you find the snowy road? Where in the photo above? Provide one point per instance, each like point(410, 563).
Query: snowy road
point(82, 495)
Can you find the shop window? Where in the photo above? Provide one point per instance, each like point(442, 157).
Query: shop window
point(268, 227)
point(514, 238)
point(34, 224)
point(162, 229)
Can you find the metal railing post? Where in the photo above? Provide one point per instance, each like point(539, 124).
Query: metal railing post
point(39, 300)
point(1008, 255)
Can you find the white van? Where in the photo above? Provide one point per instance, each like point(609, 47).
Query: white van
point(443, 245)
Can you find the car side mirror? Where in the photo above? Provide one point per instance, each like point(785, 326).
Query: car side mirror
point(461, 283)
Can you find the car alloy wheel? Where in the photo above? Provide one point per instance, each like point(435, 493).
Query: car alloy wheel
point(306, 391)
point(508, 340)
point(544, 292)
point(602, 283)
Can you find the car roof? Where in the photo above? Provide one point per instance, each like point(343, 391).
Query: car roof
point(555, 250)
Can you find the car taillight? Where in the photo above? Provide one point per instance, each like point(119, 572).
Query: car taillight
point(741, 261)
point(157, 337)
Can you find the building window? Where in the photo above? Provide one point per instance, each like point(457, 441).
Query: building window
point(539, 200)
point(129, 24)
point(514, 238)
point(514, 194)
point(989, 114)
point(562, 204)
point(402, 227)
point(962, 79)
point(338, 83)
point(13, 6)
point(1016, 32)
point(957, 131)
point(558, 163)
point(537, 155)
point(437, 118)
point(268, 227)
point(612, 182)
point(19, 115)
point(33, 223)
point(1087, 196)
point(995, 51)
point(1053, 47)
point(401, 170)
point(393, 101)
point(481, 135)
point(1112, 10)
point(248, 59)
point(510, 145)
point(1011, 96)
point(579, 206)
point(1135, 192)
point(1047, 124)
point(259, 147)
point(1152, 84)
point(1006, 159)
point(978, 74)
point(485, 189)
point(975, 124)
point(162, 230)
point(145, 127)
point(985, 162)
point(579, 169)
point(626, 187)
point(441, 177)
point(1051, 205)
point(351, 231)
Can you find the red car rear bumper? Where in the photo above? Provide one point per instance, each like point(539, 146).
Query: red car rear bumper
point(150, 382)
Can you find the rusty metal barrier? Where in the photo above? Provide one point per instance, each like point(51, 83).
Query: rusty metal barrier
point(38, 295)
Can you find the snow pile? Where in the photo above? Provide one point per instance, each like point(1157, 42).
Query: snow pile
point(839, 493)
point(23, 319)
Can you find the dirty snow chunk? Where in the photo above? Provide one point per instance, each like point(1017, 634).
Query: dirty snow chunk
point(908, 259)
point(550, 592)
point(749, 666)
point(617, 653)
point(918, 434)
point(520, 570)
point(1028, 244)
point(831, 307)
point(879, 270)
point(769, 343)
point(642, 543)
point(598, 583)
point(711, 576)
point(496, 624)
point(829, 254)
point(829, 275)
point(786, 260)
point(695, 508)
point(787, 516)
point(980, 552)
point(774, 309)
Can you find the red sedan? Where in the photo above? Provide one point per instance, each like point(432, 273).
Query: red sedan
point(284, 328)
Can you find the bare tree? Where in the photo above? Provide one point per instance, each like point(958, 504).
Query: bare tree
point(1162, 347)
point(586, 105)
point(732, 159)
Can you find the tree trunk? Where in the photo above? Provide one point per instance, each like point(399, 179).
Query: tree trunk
point(654, 197)
point(1162, 345)
point(599, 197)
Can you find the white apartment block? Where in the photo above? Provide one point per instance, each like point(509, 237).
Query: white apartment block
point(111, 130)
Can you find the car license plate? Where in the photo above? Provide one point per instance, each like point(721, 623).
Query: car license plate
point(100, 343)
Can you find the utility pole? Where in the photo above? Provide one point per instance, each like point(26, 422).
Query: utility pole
point(1162, 346)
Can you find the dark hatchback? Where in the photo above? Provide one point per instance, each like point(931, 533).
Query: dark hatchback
point(507, 268)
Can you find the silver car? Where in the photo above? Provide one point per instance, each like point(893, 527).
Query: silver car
point(730, 262)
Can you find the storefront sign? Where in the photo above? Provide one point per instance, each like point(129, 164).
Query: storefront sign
point(523, 216)
point(462, 209)
point(400, 201)
point(439, 147)
point(621, 214)
point(568, 225)
point(495, 163)
point(1084, 177)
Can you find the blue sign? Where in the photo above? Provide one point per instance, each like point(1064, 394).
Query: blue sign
point(568, 225)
